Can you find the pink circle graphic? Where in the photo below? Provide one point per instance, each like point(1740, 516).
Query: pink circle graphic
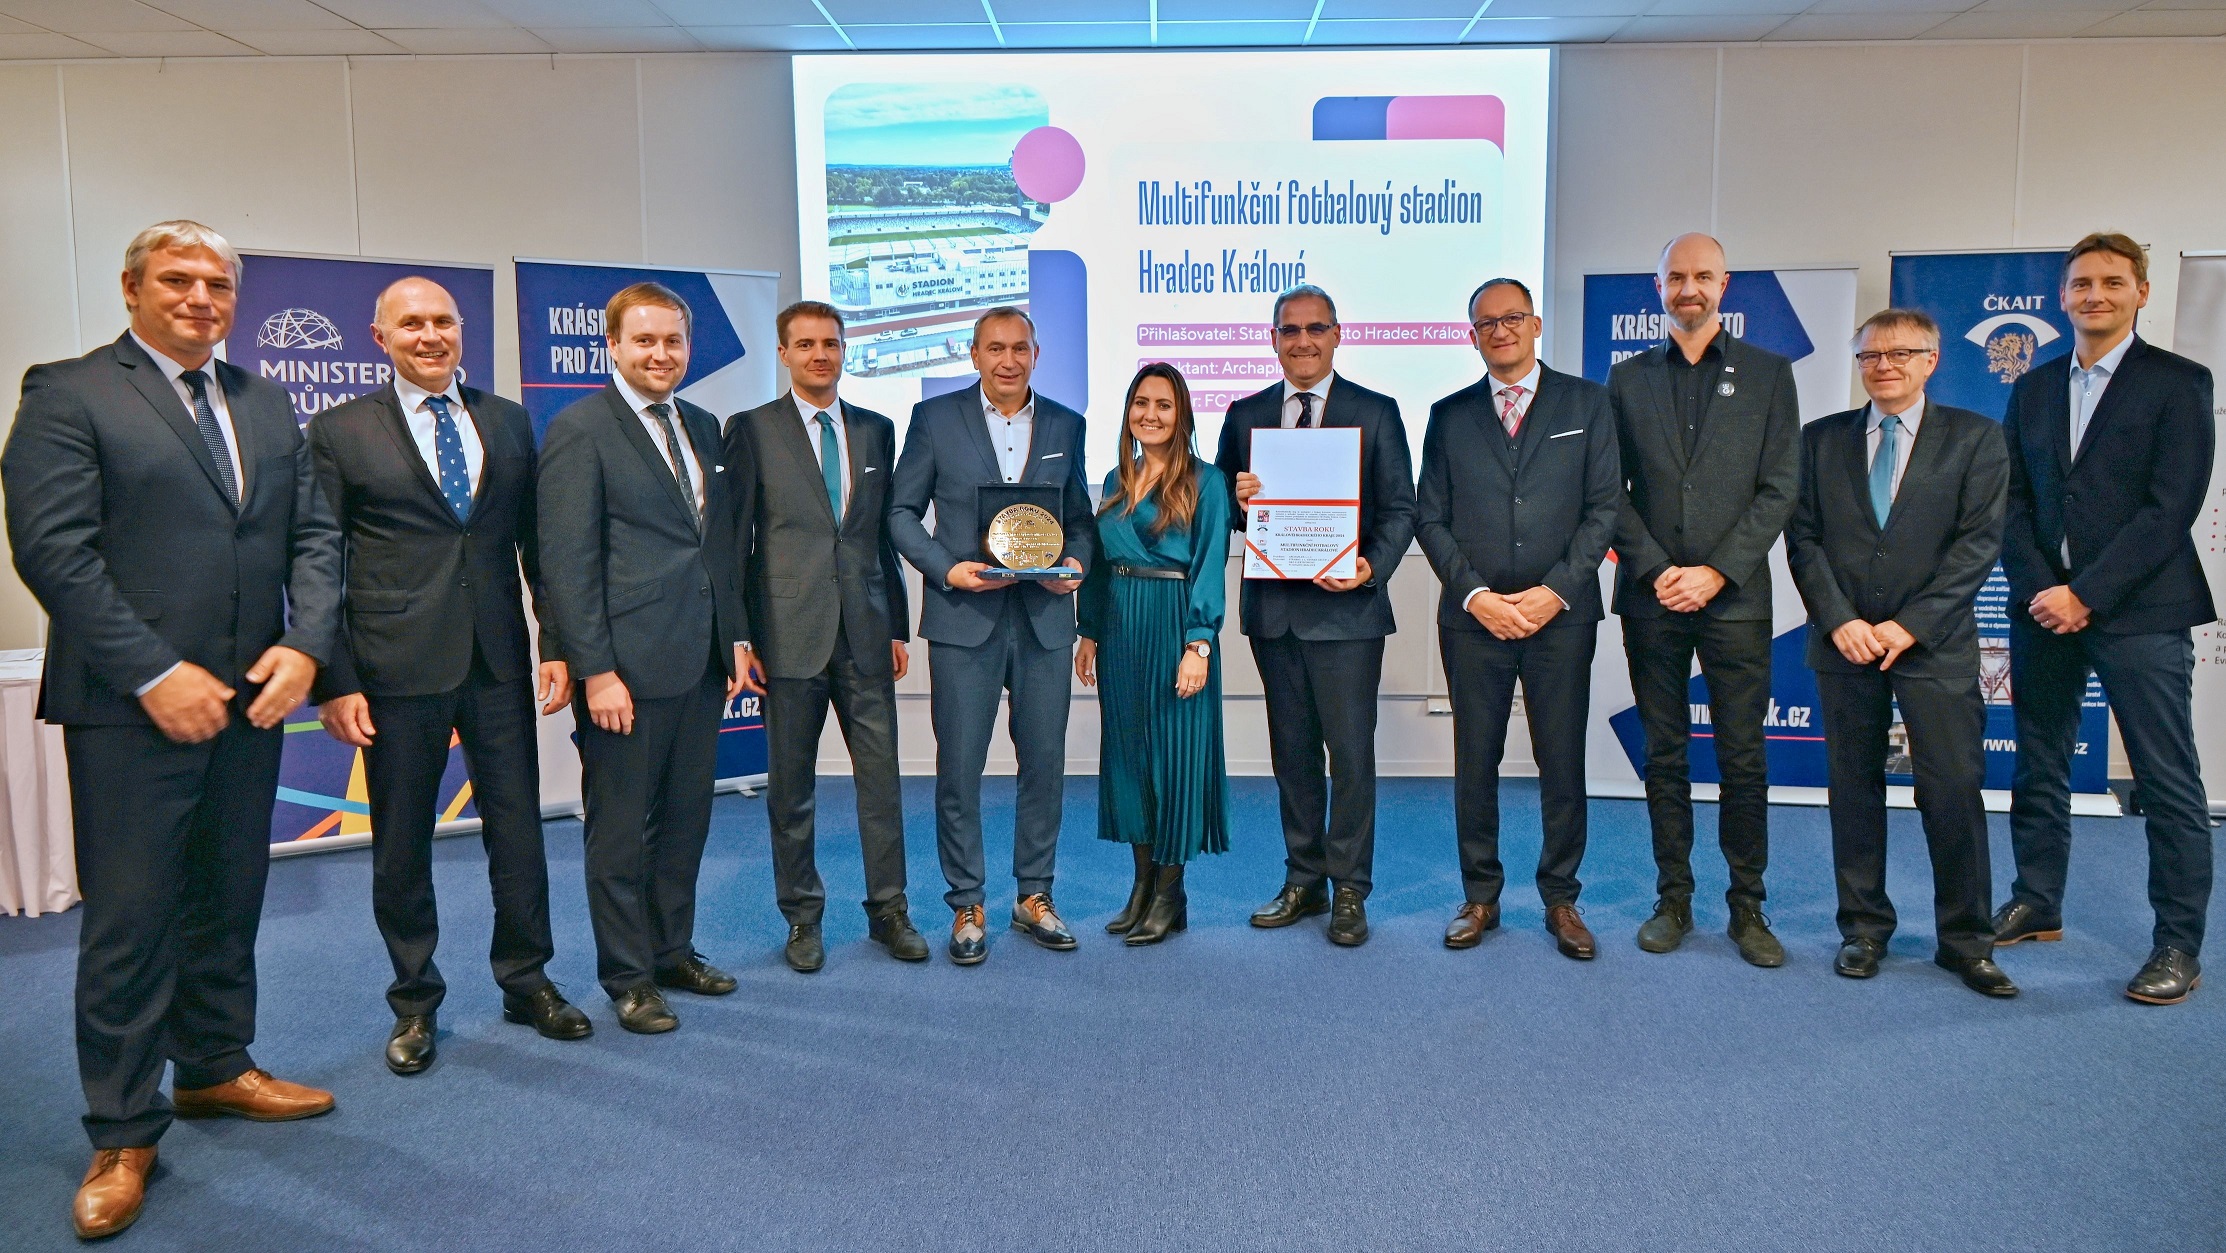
point(1047, 163)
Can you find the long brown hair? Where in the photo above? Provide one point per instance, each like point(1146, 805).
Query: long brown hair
point(1176, 489)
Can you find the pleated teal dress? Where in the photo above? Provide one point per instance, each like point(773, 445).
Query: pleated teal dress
point(1162, 776)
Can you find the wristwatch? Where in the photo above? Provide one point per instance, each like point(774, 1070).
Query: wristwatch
point(1200, 647)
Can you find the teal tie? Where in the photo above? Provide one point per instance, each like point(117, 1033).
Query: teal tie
point(830, 460)
point(1882, 468)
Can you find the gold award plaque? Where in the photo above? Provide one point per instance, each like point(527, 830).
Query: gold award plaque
point(1025, 537)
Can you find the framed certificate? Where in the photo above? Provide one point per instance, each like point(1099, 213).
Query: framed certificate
point(1305, 523)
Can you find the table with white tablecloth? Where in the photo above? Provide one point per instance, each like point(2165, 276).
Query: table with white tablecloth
point(38, 861)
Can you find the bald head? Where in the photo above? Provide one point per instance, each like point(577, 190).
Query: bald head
point(1691, 277)
point(416, 323)
point(410, 291)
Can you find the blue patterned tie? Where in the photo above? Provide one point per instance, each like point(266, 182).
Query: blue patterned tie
point(448, 450)
point(663, 413)
point(204, 416)
point(1882, 468)
point(830, 460)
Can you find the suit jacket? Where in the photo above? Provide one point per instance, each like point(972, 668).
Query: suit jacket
point(810, 573)
point(947, 455)
point(1924, 568)
point(2127, 498)
point(424, 586)
point(1271, 607)
point(122, 530)
point(632, 584)
point(1725, 505)
point(1515, 514)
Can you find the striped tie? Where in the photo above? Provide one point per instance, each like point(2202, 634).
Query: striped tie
point(1510, 408)
point(663, 413)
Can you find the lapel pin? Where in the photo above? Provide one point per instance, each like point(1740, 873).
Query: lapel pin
point(1725, 389)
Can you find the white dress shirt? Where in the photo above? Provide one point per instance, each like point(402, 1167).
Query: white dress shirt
point(2087, 387)
point(1010, 436)
point(1320, 392)
point(811, 436)
point(1904, 439)
point(656, 431)
point(422, 421)
point(1529, 384)
point(171, 370)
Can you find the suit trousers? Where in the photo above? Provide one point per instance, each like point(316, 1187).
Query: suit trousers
point(866, 710)
point(1735, 663)
point(1321, 697)
point(2149, 679)
point(173, 849)
point(648, 801)
point(1946, 721)
point(967, 683)
point(1555, 667)
point(403, 769)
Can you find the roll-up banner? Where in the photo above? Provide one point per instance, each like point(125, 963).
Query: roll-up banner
point(562, 356)
point(304, 323)
point(1803, 315)
point(1999, 317)
point(2199, 331)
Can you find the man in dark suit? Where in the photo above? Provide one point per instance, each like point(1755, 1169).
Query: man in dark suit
point(1711, 434)
point(824, 591)
point(2110, 462)
point(1520, 485)
point(432, 485)
point(986, 638)
point(164, 512)
point(1319, 644)
point(1898, 524)
point(637, 517)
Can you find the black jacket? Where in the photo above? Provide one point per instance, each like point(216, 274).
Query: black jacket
point(1924, 569)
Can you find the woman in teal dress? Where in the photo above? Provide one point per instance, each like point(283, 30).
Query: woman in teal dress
point(1151, 610)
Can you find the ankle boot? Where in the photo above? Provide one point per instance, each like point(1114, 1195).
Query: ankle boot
point(1139, 896)
point(1168, 912)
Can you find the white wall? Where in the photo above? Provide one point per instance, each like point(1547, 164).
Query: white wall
point(1793, 154)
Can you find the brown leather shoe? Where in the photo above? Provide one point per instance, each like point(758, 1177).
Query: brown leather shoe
point(1570, 934)
point(1469, 925)
point(255, 1096)
point(108, 1201)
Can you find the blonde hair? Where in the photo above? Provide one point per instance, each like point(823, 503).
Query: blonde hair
point(177, 234)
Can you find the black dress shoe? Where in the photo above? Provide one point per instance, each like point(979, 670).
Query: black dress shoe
point(410, 1049)
point(1167, 912)
point(1348, 918)
point(2018, 922)
point(2171, 975)
point(1979, 974)
point(1858, 958)
point(895, 932)
point(1290, 905)
point(550, 1014)
point(804, 952)
point(643, 1011)
point(698, 976)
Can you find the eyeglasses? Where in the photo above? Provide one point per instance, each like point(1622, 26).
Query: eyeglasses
point(1510, 322)
point(1292, 330)
point(1896, 357)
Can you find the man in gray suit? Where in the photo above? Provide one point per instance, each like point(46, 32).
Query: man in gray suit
point(823, 591)
point(988, 637)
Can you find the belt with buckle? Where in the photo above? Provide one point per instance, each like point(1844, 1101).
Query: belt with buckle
point(1147, 572)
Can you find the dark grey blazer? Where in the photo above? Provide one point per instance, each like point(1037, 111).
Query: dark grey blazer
point(1726, 505)
point(424, 586)
point(122, 530)
point(1511, 518)
point(809, 575)
point(632, 585)
point(947, 455)
point(1272, 607)
point(1924, 568)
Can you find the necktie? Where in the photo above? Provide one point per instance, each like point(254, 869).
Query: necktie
point(1882, 468)
point(830, 460)
point(1510, 408)
point(1306, 409)
point(204, 416)
point(448, 451)
point(663, 413)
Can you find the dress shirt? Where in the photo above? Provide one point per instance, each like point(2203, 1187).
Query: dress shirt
point(1010, 436)
point(2087, 386)
point(172, 371)
point(810, 414)
point(420, 417)
point(1291, 401)
point(1904, 440)
point(1693, 384)
point(656, 431)
point(1529, 384)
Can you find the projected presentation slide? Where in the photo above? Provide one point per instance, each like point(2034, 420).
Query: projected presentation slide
point(1149, 206)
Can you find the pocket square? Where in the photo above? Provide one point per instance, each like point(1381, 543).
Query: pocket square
point(1050, 455)
point(869, 469)
point(1563, 434)
point(718, 469)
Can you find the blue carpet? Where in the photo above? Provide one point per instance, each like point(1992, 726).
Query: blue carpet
point(1229, 1089)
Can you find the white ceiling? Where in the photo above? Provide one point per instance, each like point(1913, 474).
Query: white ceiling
point(46, 29)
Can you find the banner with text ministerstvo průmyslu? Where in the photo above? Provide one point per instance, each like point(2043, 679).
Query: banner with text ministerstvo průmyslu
point(1999, 317)
point(1804, 315)
point(562, 357)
